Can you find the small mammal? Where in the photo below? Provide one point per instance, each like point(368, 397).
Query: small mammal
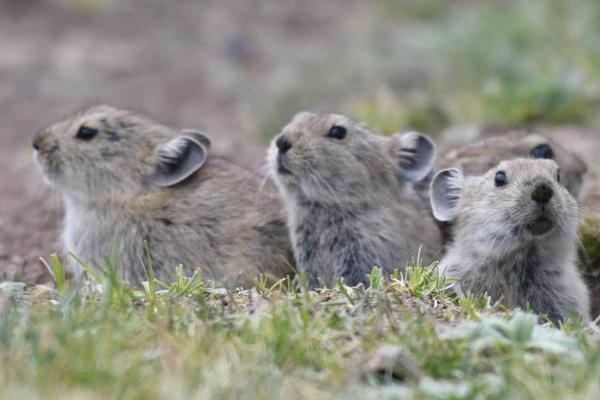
point(127, 178)
point(478, 157)
point(515, 232)
point(349, 196)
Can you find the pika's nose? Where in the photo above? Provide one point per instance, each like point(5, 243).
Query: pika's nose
point(38, 140)
point(542, 194)
point(283, 144)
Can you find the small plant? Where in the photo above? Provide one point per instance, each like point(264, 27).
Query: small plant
point(376, 278)
point(114, 290)
point(183, 285)
point(150, 283)
point(87, 268)
point(423, 281)
point(471, 305)
point(57, 272)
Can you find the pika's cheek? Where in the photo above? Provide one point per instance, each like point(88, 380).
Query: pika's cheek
point(49, 166)
point(272, 154)
point(39, 161)
point(41, 158)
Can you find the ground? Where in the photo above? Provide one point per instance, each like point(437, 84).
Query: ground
point(402, 337)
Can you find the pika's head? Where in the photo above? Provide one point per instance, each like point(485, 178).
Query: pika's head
point(520, 198)
point(103, 153)
point(330, 158)
point(477, 158)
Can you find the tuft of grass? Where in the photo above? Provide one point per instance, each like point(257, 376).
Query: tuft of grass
point(376, 278)
point(57, 272)
point(183, 285)
point(425, 281)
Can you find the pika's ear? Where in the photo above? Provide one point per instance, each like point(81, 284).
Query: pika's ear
point(197, 136)
point(415, 154)
point(179, 158)
point(445, 191)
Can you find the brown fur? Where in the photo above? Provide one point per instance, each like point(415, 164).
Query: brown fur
point(217, 219)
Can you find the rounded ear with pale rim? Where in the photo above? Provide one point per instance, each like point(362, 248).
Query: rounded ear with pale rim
point(415, 154)
point(198, 136)
point(179, 158)
point(446, 189)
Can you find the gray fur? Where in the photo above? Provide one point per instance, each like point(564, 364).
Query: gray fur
point(350, 205)
point(208, 213)
point(478, 157)
point(494, 251)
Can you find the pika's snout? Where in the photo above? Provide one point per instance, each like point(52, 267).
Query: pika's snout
point(542, 194)
point(283, 144)
point(38, 140)
point(543, 220)
point(44, 144)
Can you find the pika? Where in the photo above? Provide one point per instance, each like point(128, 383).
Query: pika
point(478, 157)
point(127, 178)
point(515, 232)
point(349, 197)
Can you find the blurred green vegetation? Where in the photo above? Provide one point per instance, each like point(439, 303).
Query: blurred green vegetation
point(589, 236)
point(80, 6)
point(387, 112)
point(528, 61)
point(446, 63)
point(422, 9)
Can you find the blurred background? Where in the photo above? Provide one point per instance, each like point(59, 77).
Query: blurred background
point(239, 69)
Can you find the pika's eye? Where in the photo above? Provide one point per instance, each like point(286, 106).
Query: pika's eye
point(501, 179)
point(337, 132)
point(85, 133)
point(542, 151)
point(558, 175)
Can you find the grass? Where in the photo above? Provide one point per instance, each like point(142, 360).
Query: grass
point(405, 336)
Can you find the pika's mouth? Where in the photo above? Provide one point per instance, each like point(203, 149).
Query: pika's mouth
point(47, 164)
point(540, 225)
point(283, 165)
